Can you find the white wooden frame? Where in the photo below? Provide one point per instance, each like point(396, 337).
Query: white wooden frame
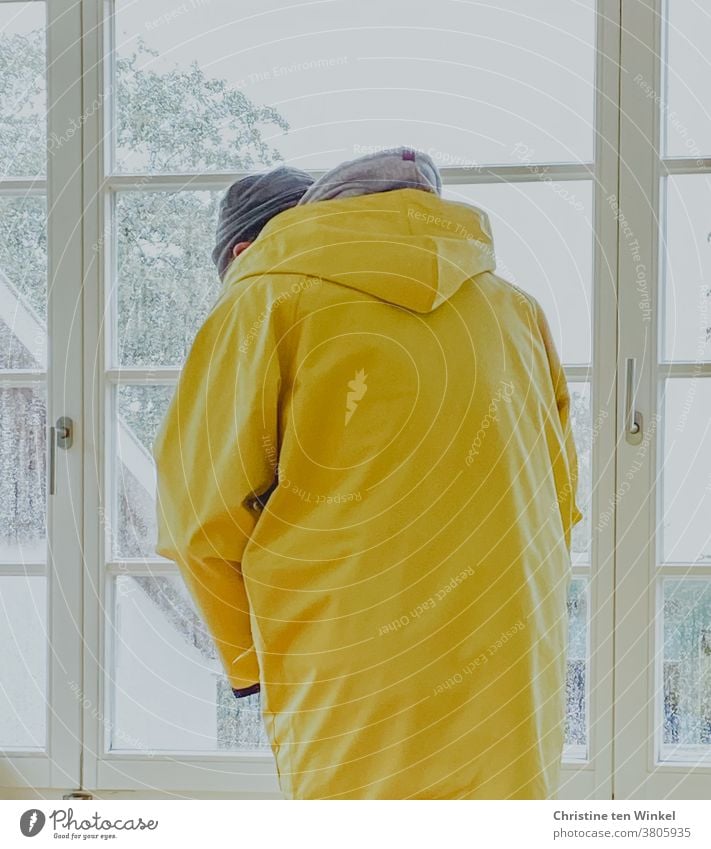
point(251, 773)
point(639, 772)
point(59, 765)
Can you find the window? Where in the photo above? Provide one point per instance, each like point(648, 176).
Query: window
point(577, 126)
point(23, 374)
point(187, 101)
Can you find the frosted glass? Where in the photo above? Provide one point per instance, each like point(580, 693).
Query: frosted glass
point(140, 411)
point(543, 237)
point(686, 670)
point(23, 662)
point(167, 281)
point(23, 281)
point(581, 422)
point(22, 475)
point(686, 471)
point(687, 107)
point(687, 285)
point(23, 128)
point(169, 691)
point(576, 725)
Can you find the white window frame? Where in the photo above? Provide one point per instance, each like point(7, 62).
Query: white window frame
point(59, 764)
point(640, 771)
point(254, 773)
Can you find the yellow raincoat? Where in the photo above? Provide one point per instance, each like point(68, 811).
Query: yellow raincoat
point(401, 596)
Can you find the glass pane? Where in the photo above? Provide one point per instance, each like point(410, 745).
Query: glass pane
point(686, 732)
point(167, 282)
point(23, 129)
point(524, 218)
point(688, 106)
point(687, 316)
point(140, 411)
point(576, 725)
point(22, 475)
point(23, 662)
point(686, 471)
point(169, 691)
point(23, 282)
point(215, 85)
point(582, 432)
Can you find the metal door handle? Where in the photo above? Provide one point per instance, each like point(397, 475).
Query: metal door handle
point(61, 435)
point(633, 418)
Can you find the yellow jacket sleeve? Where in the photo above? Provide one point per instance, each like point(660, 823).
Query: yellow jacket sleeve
point(566, 483)
point(214, 453)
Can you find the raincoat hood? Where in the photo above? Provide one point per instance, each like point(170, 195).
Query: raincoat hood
point(407, 247)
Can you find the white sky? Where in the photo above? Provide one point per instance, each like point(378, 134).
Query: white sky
point(467, 80)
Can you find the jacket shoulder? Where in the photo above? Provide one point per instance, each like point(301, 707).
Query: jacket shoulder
point(516, 296)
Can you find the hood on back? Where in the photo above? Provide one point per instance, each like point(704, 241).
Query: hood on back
point(384, 171)
point(406, 247)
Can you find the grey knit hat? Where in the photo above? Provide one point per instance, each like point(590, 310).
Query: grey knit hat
point(252, 202)
point(384, 171)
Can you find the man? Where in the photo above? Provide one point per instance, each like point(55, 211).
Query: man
point(249, 204)
point(401, 595)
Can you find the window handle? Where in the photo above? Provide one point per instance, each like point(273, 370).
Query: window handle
point(61, 435)
point(633, 418)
